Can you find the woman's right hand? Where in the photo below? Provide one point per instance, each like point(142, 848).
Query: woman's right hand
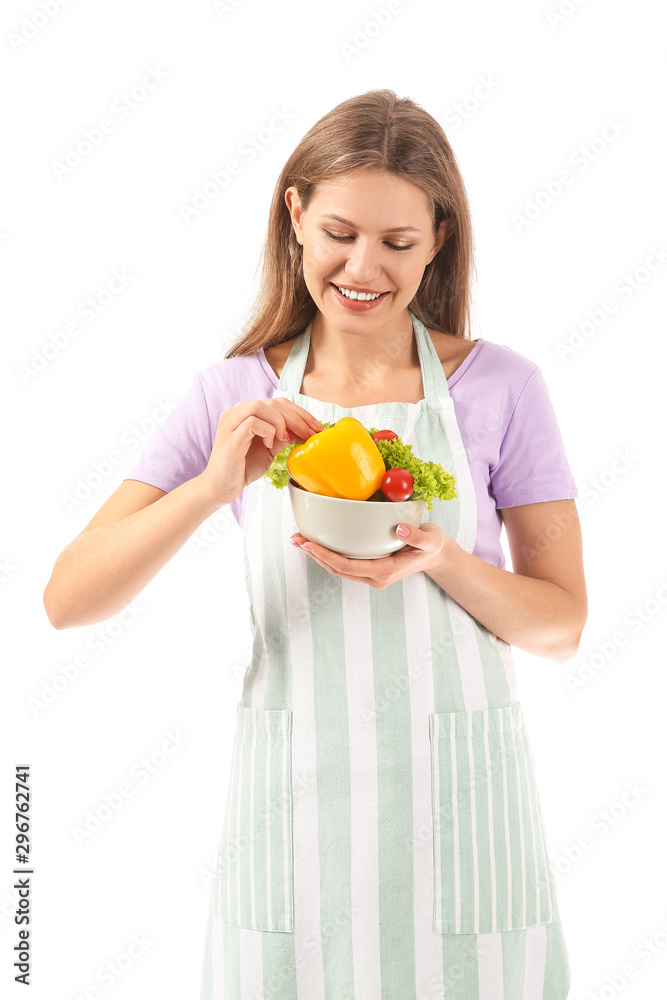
point(249, 436)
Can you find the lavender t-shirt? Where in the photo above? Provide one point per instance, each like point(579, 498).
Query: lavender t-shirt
point(508, 426)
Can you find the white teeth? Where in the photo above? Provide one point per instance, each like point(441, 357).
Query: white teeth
point(362, 296)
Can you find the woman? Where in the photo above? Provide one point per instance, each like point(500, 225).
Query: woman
point(382, 832)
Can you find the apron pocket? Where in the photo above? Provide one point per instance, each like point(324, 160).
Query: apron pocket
point(254, 884)
point(490, 854)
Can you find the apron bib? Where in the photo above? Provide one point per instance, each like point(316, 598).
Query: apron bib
point(382, 808)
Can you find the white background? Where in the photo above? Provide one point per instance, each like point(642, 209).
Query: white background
point(177, 665)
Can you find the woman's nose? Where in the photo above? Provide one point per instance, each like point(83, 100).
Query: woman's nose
point(363, 264)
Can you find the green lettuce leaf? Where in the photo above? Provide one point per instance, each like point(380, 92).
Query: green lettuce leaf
point(431, 481)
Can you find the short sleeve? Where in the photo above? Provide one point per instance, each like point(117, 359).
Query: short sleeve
point(532, 464)
point(181, 446)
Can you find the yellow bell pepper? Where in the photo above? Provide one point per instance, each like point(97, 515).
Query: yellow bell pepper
point(340, 461)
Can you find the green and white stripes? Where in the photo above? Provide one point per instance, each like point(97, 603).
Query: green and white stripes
point(255, 884)
point(490, 864)
point(382, 809)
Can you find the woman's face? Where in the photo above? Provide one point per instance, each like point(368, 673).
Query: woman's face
point(368, 251)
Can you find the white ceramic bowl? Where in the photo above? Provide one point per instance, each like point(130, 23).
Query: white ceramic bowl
point(358, 529)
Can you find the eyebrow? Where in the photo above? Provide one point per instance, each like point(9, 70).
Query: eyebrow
point(394, 229)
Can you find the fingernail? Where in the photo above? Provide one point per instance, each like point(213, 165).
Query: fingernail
point(286, 436)
point(402, 530)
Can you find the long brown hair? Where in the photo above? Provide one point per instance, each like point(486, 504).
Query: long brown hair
point(380, 131)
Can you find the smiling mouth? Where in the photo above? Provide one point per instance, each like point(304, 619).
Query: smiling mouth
point(358, 296)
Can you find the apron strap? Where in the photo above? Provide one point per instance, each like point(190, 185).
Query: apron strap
point(294, 368)
point(433, 377)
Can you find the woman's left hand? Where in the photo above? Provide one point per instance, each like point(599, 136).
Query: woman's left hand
point(424, 545)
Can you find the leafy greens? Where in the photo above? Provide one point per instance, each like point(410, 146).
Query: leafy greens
point(431, 481)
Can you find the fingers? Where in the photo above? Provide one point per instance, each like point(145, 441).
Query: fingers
point(285, 418)
point(254, 426)
point(273, 422)
point(304, 423)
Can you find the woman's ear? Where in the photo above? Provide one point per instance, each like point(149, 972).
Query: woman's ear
point(445, 230)
point(293, 203)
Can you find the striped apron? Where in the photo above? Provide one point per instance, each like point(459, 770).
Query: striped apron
point(382, 835)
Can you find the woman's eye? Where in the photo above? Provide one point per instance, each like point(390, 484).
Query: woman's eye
point(342, 239)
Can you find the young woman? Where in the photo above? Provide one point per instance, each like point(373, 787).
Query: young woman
point(382, 830)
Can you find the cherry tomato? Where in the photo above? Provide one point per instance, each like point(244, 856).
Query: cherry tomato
point(397, 484)
point(385, 436)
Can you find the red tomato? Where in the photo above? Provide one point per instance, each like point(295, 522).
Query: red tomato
point(385, 436)
point(397, 484)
